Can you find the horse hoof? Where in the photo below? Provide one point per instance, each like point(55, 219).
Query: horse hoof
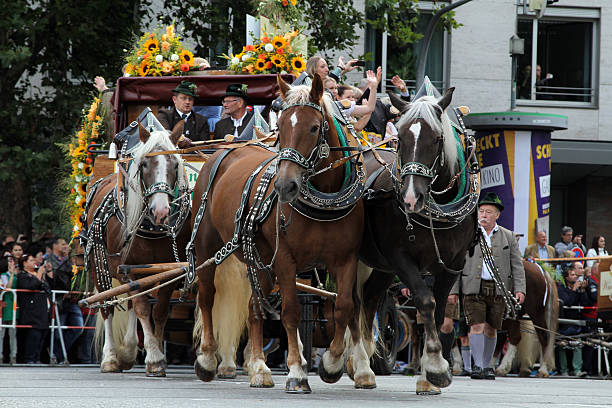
point(524, 374)
point(111, 366)
point(156, 369)
point(328, 377)
point(202, 373)
point(441, 380)
point(541, 374)
point(262, 380)
point(426, 388)
point(227, 373)
point(350, 370)
point(409, 371)
point(125, 365)
point(365, 382)
point(296, 386)
point(501, 373)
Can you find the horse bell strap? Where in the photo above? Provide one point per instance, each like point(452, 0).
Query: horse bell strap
point(233, 244)
point(191, 268)
point(249, 248)
point(159, 187)
point(512, 305)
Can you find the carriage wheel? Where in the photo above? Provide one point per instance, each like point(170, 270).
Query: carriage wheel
point(383, 360)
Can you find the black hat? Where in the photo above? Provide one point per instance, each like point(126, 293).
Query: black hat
point(239, 90)
point(492, 199)
point(187, 88)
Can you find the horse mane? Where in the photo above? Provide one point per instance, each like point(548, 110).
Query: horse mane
point(427, 108)
point(134, 202)
point(298, 94)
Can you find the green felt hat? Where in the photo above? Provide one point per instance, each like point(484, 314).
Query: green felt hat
point(187, 88)
point(492, 199)
point(239, 90)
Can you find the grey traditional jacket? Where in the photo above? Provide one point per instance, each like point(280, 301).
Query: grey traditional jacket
point(507, 256)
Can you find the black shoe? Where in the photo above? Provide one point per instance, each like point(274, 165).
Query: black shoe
point(488, 373)
point(464, 373)
point(477, 373)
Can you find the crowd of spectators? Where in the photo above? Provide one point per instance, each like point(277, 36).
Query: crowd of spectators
point(577, 291)
point(36, 268)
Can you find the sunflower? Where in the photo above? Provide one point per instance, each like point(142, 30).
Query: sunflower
point(186, 57)
point(260, 64)
point(143, 68)
point(78, 151)
point(129, 69)
point(151, 45)
point(277, 60)
point(279, 42)
point(88, 170)
point(293, 2)
point(83, 188)
point(298, 64)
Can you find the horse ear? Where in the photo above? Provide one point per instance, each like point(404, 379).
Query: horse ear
point(177, 132)
point(284, 86)
point(316, 92)
point(446, 98)
point(143, 133)
point(398, 102)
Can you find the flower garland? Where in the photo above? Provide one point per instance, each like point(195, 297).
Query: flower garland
point(268, 56)
point(82, 161)
point(156, 54)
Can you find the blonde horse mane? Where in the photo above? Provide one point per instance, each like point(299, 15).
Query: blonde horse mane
point(157, 141)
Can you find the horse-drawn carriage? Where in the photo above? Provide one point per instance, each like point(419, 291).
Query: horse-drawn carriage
point(260, 212)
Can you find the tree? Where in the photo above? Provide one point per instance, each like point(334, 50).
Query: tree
point(331, 24)
point(49, 53)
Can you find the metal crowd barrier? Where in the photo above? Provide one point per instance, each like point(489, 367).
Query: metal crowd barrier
point(52, 326)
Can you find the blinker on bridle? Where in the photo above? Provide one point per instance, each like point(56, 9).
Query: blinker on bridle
point(319, 152)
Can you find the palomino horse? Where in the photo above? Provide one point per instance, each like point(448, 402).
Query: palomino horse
point(542, 306)
point(151, 184)
point(305, 134)
point(402, 239)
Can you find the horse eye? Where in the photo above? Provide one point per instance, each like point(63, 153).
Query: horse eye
point(314, 128)
point(145, 165)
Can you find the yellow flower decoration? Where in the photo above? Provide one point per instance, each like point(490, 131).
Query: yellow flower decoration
point(186, 57)
point(277, 60)
point(144, 68)
point(279, 42)
point(88, 170)
point(170, 31)
point(293, 2)
point(78, 151)
point(260, 64)
point(83, 188)
point(151, 46)
point(298, 64)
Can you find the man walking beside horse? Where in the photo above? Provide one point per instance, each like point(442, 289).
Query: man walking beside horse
point(484, 304)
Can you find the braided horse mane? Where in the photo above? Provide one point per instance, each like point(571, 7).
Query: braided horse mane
point(157, 141)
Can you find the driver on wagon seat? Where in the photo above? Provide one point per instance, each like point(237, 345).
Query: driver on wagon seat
point(196, 125)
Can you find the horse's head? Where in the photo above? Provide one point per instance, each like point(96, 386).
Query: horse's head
point(421, 148)
point(302, 130)
point(158, 175)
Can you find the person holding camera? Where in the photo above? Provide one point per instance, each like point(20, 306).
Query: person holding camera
point(572, 294)
point(8, 280)
point(69, 312)
point(33, 306)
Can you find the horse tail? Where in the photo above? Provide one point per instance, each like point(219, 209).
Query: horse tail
point(120, 326)
point(230, 309)
point(551, 313)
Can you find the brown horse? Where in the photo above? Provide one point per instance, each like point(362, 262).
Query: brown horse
point(151, 183)
point(305, 130)
point(542, 306)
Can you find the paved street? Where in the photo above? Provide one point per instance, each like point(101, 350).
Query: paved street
point(86, 386)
